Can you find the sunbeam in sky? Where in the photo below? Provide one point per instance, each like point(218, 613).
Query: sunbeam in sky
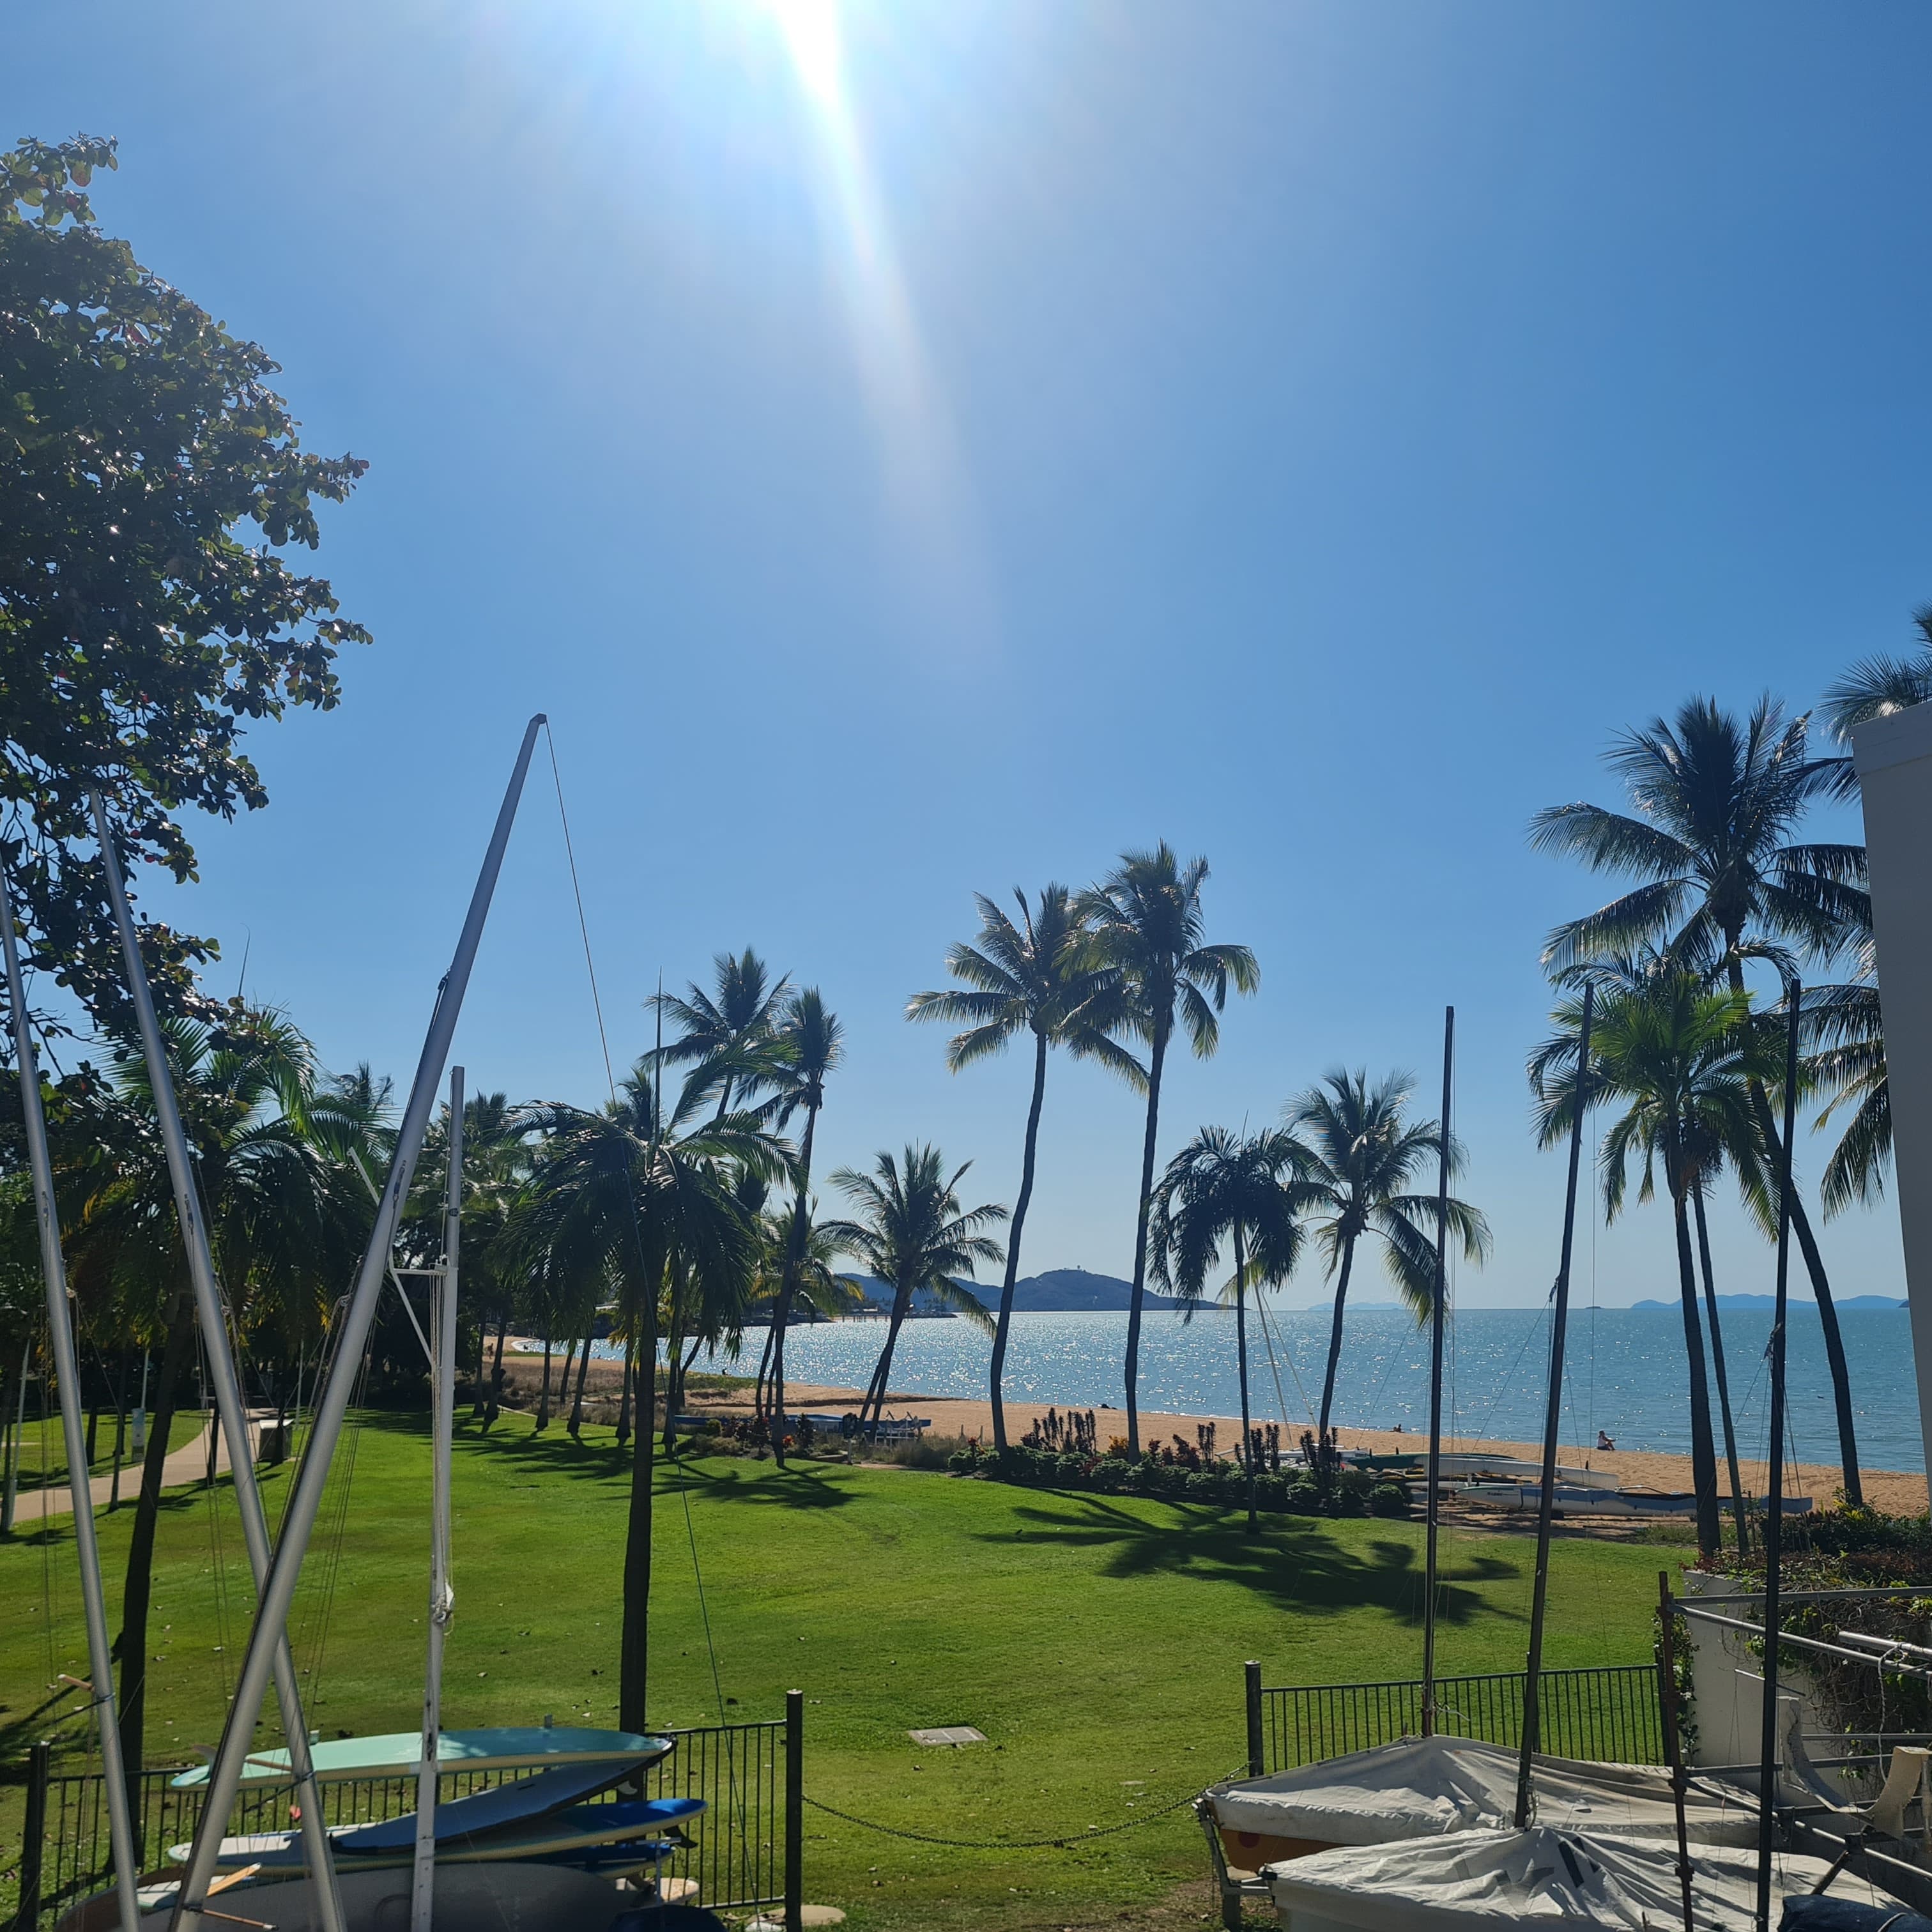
point(925, 476)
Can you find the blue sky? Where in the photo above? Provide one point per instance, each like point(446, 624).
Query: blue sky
point(936, 455)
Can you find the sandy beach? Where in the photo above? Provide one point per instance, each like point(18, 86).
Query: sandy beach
point(1898, 1492)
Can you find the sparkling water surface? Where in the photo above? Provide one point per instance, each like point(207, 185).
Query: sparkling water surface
point(1626, 1373)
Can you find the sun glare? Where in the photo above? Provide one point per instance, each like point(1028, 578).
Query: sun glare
point(811, 30)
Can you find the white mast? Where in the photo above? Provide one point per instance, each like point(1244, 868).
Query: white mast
point(66, 1373)
point(442, 1598)
point(213, 1316)
point(224, 1776)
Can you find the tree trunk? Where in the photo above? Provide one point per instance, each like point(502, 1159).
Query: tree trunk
point(543, 1397)
point(882, 1376)
point(633, 1667)
point(673, 1359)
point(1852, 1476)
point(577, 1404)
point(1018, 1223)
point(1723, 1378)
point(787, 1285)
point(624, 1397)
point(120, 1434)
point(93, 1425)
point(1335, 1340)
point(136, 1589)
point(1703, 1456)
point(1241, 1347)
point(760, 1387)
point(1155, 1061)
point(563, 1380)
point(496, 1401)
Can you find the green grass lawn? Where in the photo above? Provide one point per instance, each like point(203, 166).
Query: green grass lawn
point(43, 1456)
point(1098, 1642)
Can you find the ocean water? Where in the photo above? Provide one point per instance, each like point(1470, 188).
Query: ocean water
point(1626, 1371)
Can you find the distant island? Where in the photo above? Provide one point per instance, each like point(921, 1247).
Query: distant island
point(1766, 1302)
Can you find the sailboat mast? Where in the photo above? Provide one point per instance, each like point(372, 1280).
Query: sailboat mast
point(272, 1618)
point(442, 1599)
point(1437, 1302)
point(1773, 1521)
point(1546, 1510)
point(212, 1315)
point(67, 1374)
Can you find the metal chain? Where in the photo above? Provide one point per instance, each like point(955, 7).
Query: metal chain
point(1059, 1843)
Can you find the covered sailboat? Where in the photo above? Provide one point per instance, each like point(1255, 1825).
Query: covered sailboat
point(1428, 1787)
point(1483, 1881)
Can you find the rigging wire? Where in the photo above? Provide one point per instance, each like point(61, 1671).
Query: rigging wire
point(646, 1418)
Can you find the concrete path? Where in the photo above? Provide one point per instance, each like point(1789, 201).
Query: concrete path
point(188, 1464)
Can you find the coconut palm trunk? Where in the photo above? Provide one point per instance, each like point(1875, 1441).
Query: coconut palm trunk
point(788, 1285)
point(1852, 1476)
point(1241, 1350)
point(624, 1396)
point(1027, 1160)
point(882, 1375)
point(1335, 1340)
point(137, 1589)
point(496, 1399)
point(1703, 1456)
point(577, 1404)
point(543, 1399)
point(633, 1668)
point(1157, 1059)
point(1717, 1362)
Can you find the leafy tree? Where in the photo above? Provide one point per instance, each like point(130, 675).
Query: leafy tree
point(1023, 978)
point(1358, 1159)
point(649, 1206)
point(912, 1232)
point(1716, 801)
point(810, 1044)
point(1244, 1189)
point(1144, 939)
point(148, 475)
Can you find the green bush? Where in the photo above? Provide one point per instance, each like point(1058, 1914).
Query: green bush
point(1390, 1499)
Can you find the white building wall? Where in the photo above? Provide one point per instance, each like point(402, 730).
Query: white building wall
point(1894, 757)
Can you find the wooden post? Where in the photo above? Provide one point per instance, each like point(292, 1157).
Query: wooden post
point(33, 1836)
point(1252, 1672)
point(794, 1822)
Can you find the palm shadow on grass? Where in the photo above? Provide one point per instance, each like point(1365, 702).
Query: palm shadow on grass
point(1294, 1564)
point(736, 1479)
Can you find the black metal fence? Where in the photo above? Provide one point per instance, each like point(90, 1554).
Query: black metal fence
point(1610, 1714)
point(744, 1849)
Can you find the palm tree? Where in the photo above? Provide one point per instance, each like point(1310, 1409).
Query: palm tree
point(913, 1234)
point(1715, 804)
point(731, 1032)
point(1682, 1059)
point(811, 1043)
point(1144, 925)
point(1244, 1189)
point(286, 1219)
point(1876, 687)
point(1712, 1135)
point(820, 1290)
point(648, 1207)
point(1022, 979)
point(1358, 1158)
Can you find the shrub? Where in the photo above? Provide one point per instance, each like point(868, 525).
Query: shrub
point(1389, 1499)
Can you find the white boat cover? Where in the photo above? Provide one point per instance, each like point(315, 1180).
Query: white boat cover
point(1423, 1787)
point(1483, 1881)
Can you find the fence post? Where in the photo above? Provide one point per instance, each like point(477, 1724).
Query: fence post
point(1252, 1671)
point(33, 1836)
point(794, 1819)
